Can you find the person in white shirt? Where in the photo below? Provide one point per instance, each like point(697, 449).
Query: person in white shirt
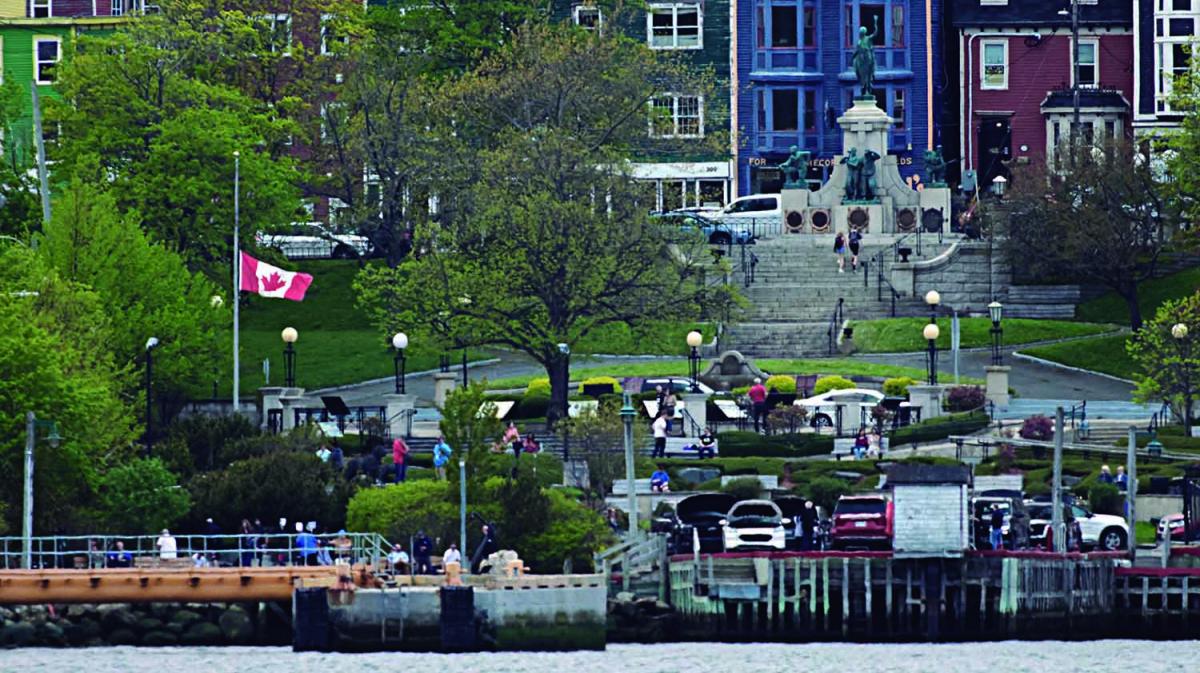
point(398, 559)
point(451, 555)
point(660, 435)
point(166, 545)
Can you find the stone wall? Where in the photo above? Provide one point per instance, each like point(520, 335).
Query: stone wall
point(966, 276)
point(151, 624)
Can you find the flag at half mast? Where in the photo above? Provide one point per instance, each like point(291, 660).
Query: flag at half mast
point(267, 280)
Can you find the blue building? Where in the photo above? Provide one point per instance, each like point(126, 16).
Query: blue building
point(793, 79)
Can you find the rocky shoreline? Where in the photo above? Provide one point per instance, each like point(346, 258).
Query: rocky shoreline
point(152, 624)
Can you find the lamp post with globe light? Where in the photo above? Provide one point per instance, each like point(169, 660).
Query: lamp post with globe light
point(694, 339)
point(931, 333)
point(1183, 342)
point(289, 336)
point(151, 344)
point(400, 343)
point(996, 313)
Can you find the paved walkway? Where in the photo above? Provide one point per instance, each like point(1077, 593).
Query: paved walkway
point(509, 364)
point(1030, 379)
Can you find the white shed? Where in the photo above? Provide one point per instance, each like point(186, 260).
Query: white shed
point(931, 513)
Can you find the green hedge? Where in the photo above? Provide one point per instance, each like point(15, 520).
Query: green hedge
point(940, 428)
point(737, 444)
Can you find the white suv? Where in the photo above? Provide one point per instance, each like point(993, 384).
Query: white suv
point(313, 240)
point(1101, 531)
point(762, 206)
point(754, 525)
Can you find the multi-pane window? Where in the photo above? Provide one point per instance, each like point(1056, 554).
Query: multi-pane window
point(784, 33)
point(785, 24)
point(1089, 71)
point(676, 116)
point(810, 26)
point(46, 53)
point(278, 32)
point(41, 9)
point(897, 25)
point(117, 7)
point(588, 17)
point(330, 37)
point(994, 64)
point(676, 26)
point(1176, 23)
point(898, 109)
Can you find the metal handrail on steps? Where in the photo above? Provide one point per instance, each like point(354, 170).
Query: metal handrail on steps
point(835, 324)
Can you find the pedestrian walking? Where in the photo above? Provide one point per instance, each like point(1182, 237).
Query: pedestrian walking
point(839, 251)
point(758, 403)
point(166, 545)
point(668, 407)
point(441, 456)
point(807, 526)
point(399, 460)
point(855, 243)
point(247, 543)
point(997, 533)
point(423, 553)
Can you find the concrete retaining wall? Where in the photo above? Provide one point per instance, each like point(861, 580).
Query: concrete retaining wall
point(966, 276)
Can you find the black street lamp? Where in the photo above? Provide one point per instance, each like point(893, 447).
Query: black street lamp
point(289, 336)
point(400, 342)
point(694, 339)
point(151, 344)
point(996, 312)
point(931, 333)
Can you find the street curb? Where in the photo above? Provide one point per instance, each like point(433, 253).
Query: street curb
point(1059, 365)
point(427, 372)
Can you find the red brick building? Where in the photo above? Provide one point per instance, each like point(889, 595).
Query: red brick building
point(1016, 77)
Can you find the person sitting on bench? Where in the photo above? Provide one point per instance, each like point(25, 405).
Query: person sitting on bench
point(660, 481)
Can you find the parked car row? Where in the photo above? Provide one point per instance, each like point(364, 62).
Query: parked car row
point(314, 240)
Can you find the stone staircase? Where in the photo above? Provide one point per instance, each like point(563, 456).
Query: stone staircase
point(796, 289)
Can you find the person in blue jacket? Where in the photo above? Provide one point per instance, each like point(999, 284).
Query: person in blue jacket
point(441, 456)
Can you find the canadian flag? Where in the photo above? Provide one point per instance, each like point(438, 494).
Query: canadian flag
point(266, 280)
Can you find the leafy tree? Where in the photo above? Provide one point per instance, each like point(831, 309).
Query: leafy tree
point(546, 237)
point(160, 102)
point(207, 443)
point(825, 491)
point(288, 484)
point(91, 242)
point(470, 426)
point(141, 496)
point(21, 212)
point(463, 32)
point(55, 362)
point(1168, 357)
point(599, 438)
point(399, 511)
point(574, 533)
point(1107, 220)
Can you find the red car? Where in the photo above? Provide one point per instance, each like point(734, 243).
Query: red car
point(862, 522)
point(1178, 532)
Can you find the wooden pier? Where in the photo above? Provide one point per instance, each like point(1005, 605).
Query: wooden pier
point(878, 596)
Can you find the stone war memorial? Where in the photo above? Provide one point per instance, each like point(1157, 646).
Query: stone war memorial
point(865, 191)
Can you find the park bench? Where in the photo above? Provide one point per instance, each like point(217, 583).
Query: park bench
point(843, 447)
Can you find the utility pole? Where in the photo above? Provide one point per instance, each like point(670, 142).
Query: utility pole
point(1057, 523)
point(27, 514)
point(1131, 489)
point(627, 413)
point(237, 273)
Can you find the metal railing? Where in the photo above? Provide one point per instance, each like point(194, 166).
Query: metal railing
point(749, 262)
point(690, 422)
point(268, 549)
point(835, 324)
point(1160, 418)
point(363, 420)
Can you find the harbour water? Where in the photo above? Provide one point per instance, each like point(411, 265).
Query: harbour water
point(1106, 656)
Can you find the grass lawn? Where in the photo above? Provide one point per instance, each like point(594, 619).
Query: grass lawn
point(903, 335)
point(1103, 354)
point(840, 366)
point(338, 345)
point(1111, 308)
point(1144, 532)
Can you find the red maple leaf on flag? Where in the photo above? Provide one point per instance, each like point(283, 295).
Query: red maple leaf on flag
point(272, 282)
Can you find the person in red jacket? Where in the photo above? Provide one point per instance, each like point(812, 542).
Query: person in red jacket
point(400, 459)
point(758, 402)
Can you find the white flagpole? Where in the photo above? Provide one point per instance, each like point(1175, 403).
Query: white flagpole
point(237, 273)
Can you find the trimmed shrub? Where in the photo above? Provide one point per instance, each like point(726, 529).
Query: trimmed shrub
point(746, 488)
point(751, 444)
point(828, 383)
point(940, 428)
point(965, 398)
point(538, 387)
point(599, 381)
point(1037, 427)
point(781, 383)
point(897, 387)
point(1106, 499)
point(825, 491)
